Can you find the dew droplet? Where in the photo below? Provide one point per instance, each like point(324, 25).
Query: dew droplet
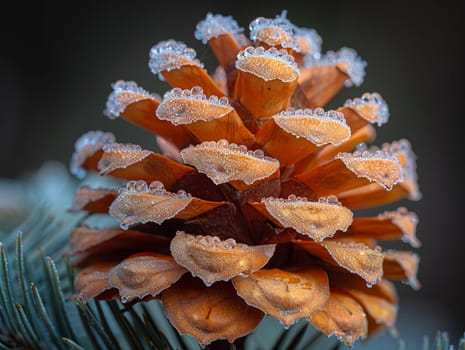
point(124, 226)
point(197, 90)
point(213, 99)
point(131, 186)
point(156, 185)
point(259, 153)
point(141, 186)
point(229, 243)
point(333, 200)
point(182, 193)
point(242, 148)
point(224, 101)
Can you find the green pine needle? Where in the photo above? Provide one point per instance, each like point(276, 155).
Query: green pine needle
point(71, 344)
point(40, 308)
point(36, 311)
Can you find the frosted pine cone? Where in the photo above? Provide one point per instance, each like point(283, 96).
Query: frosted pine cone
point(249, 210)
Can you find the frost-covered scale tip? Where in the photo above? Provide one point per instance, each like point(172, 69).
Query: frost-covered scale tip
point(357, 258)
point(120, 156)
point(285, 295)
point(345, 59)
point(143, 275)
point(318, 220)
point(378, 107)
point(287, 71)
point(408, 262)
point(168, 55)
point(188, 106)
point(125, 93)
point(272, 32)
point(215, 25)
point(317, 126)
point(138, 202)
point(85, 146)
point(307, 39)
point(375, 165)
point(406, 221)
point(407, 159)
point(223, 162)
point(214, 260)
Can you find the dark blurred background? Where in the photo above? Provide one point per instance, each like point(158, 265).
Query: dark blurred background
point(57, 63)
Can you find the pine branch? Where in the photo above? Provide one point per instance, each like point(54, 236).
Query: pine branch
point(37, 313)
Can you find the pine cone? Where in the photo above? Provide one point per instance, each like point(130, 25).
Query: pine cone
point(249, 210)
